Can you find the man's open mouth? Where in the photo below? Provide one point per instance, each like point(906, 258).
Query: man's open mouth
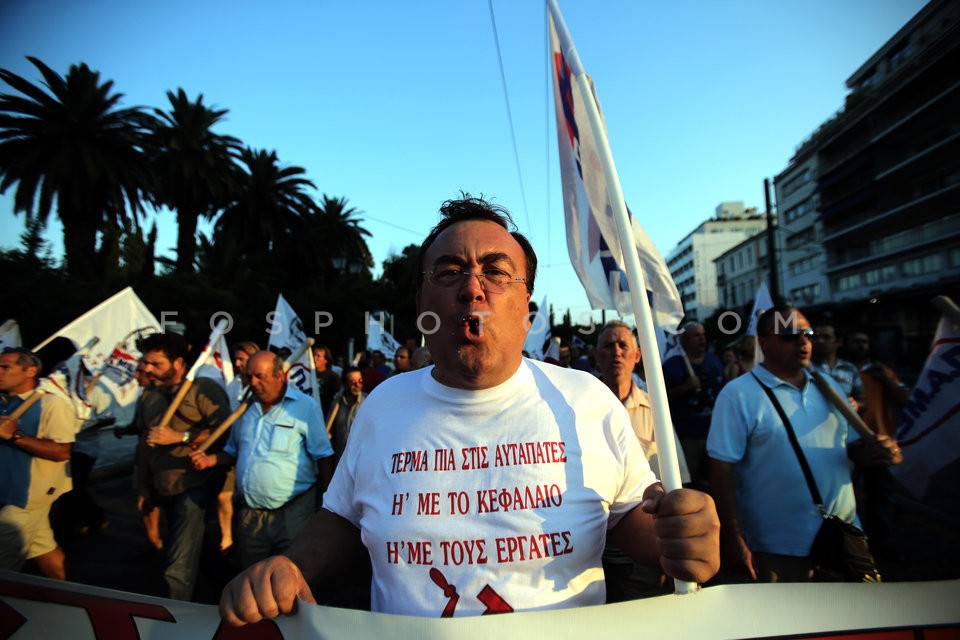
point(473, 324)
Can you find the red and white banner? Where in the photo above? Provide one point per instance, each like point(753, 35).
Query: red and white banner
point(33, 608)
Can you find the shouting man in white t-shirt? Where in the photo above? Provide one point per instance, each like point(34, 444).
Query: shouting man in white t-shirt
point(488, 482)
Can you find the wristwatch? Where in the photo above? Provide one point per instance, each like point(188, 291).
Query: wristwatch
point(17, 435)
point(186, 438)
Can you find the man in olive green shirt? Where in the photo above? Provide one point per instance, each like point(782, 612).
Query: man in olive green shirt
point(166, 478)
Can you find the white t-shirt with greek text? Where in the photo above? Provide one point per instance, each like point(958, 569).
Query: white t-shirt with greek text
point(490, 501)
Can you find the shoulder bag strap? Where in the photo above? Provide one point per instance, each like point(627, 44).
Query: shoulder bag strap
point(807, 473)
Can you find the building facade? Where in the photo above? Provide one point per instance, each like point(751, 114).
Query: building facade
point(691, 262)
point(878, 185)
point(802, 259)
point(742, 268)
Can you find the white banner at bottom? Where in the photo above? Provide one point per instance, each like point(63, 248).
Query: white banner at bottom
point(37, 608)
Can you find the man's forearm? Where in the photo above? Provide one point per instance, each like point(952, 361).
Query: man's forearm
point(722, 488)
point(43, 448)
point(326, 547)
point(325, 471)
point(634, 535)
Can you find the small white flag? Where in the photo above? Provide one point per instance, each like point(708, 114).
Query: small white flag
point(10, 335)
point(286, 333)
point(379, 339)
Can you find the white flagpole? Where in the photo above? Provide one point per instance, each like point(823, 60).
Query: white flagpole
point(669, 467)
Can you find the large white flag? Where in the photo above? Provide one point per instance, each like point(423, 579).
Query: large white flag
point(10, 335)
point(539, 332)
point(929, 431)
point(112, 321)
point(592, 239)
point(379, 339)
point(287, 333)
point(113, 327)
point(599, 225)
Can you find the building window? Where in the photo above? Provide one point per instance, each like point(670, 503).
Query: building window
point(808, 293)
point(794, 213)
point(795, 183)
point(932, 263)
point(928, 264)
point(846, 283)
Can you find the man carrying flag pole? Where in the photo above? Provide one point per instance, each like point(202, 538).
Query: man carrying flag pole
point(171, 422)
point(598, 177)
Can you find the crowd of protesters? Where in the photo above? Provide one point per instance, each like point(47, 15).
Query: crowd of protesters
point(262, 483)
point(695, 380)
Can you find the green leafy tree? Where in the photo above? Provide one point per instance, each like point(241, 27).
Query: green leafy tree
point(196, 167)
point(71, 144)
point(398, 290)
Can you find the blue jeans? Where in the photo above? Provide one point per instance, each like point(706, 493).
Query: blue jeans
point(185, 515)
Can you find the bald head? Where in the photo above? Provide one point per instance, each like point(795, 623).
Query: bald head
point(267, 380)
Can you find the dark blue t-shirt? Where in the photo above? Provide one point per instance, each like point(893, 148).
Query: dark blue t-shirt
point(691, 412)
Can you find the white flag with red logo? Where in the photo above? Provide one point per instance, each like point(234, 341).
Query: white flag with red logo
point(113, 328)
point(287, 335)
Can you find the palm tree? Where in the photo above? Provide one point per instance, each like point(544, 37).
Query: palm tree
point(341, 238)
point(270, 205)
point(73, 145)
point(195, 167)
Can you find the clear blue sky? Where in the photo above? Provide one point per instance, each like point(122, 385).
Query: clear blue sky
point(399, 105)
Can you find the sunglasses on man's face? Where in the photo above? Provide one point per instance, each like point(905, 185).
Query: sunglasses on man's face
point(796, 334)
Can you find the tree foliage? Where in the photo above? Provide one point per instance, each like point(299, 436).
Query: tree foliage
point(67, 142)
point(69, 146)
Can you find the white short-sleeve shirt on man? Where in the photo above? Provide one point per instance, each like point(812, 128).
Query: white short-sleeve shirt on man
point(473, 502)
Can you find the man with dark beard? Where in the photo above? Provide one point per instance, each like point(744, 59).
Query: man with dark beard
point(166, 478)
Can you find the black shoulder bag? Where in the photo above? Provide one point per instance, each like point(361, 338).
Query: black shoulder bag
point(840, 552)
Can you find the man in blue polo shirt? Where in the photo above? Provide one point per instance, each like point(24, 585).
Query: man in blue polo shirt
point(281, 449)
point(767, 514)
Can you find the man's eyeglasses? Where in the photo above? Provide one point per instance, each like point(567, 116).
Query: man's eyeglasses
point(492, 280)
point(794, 336)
